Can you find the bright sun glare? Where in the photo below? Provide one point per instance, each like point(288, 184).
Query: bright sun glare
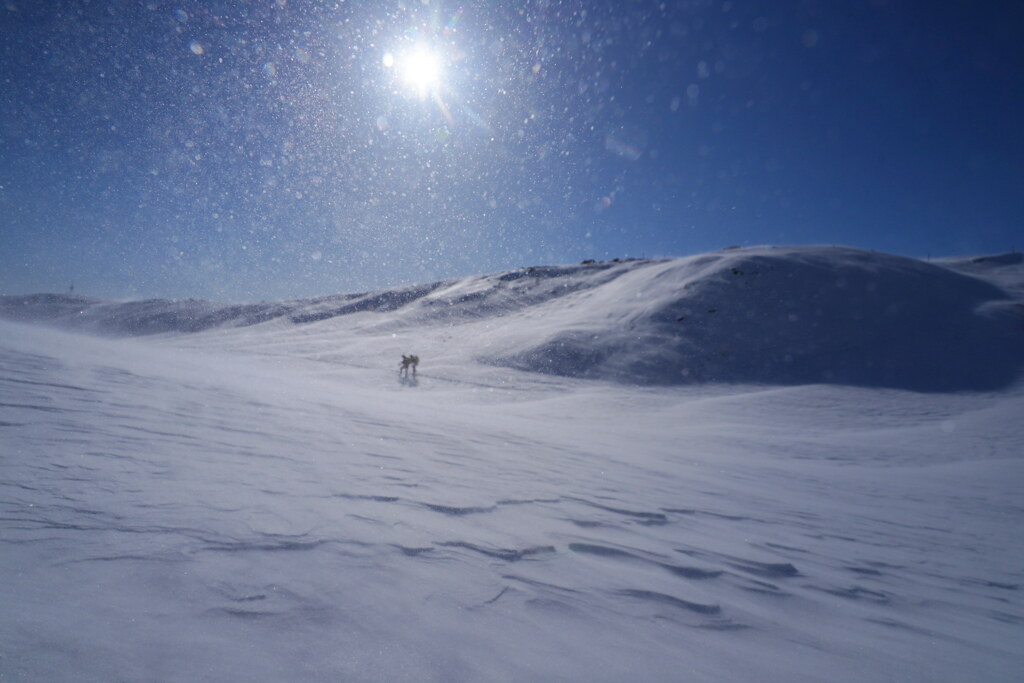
point(419, 68)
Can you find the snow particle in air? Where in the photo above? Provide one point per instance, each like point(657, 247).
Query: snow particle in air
point(692, 94)
point(626, 143)
point(196, 47)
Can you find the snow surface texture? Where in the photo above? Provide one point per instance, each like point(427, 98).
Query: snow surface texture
point(760, 464)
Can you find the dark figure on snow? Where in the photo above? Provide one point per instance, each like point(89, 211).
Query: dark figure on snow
point(407, 362)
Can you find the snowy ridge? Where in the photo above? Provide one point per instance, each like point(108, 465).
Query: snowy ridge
point(758, 315)
point(793, 316)
point(446, 301)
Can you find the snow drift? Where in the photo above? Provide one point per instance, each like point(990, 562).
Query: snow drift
point(251, 492)
point(779, 316)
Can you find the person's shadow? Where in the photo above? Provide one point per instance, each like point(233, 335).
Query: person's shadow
point(408, 381)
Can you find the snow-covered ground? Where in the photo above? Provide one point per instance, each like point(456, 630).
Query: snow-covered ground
point(764, 464)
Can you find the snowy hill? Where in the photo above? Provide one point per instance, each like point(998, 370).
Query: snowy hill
point(761, 315)
point(737, 466)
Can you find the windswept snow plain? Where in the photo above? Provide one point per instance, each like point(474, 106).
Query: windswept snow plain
point(796, 464)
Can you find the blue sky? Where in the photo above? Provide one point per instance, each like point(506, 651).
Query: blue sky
point(272, 149)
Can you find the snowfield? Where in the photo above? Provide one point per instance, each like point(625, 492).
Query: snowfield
point(770, 464)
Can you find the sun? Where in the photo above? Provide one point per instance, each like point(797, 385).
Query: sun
point(419, 69)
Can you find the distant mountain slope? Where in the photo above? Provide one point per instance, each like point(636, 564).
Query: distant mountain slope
point(444, 302)
point(767, 315)
point(153, 316)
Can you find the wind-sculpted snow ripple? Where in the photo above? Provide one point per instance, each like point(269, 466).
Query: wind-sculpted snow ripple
point(183, 515)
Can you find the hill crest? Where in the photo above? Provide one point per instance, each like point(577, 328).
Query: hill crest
point(767, 315)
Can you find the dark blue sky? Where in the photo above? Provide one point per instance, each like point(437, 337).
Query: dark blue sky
point(273, 149)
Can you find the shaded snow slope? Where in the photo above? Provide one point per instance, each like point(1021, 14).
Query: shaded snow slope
point(245, 505)
point(792, 316)
point(778, 316)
